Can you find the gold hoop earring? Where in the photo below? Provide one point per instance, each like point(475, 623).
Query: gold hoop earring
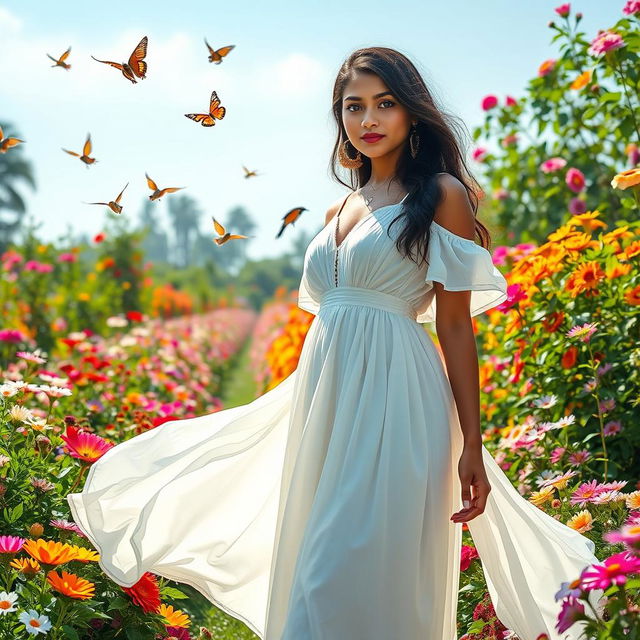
point(345, 160)
point(414, 141)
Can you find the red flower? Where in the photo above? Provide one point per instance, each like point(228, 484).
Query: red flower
point(145, 593)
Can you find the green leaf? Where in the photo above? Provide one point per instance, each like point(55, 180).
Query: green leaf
point(70, 632)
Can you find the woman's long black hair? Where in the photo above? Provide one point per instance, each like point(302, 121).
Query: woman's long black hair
point(438, 149)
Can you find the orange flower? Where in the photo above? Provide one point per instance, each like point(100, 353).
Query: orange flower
point(174, 618)
point(631, 250)
point(26, 566)
point(588, 220)
point(582, 80)
point(581, 522)
point(71, 585)
point(628, 178)
point(540, 497)
point(585, 278)
point(50, 552)
point(633, 297)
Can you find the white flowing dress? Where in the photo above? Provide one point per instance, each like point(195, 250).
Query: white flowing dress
point(320, 510)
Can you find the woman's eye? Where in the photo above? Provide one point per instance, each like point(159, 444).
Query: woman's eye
point(383, 102)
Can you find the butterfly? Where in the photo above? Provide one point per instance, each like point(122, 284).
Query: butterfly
point(215, 111)
point(216, 56)
point(224, 236)
point(247, 173)
point(7, 143)
point(136, 65)
point(60, 62)
point(289, 218)
point(86, 150)
point(114, 205)
point(158, 193)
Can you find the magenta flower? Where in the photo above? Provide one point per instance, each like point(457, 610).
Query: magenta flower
point(577, 206)
point(563, 10)
point(612, 571)
point(604, 42)
point(556, 454)
point(11, 544)
point(12, 335)
point(632, 7)
point(479, 153)
point(585, 492)
point(510, 102)
point(571, 612)
point(67, 257)
point(489, 102)
point(575, 180)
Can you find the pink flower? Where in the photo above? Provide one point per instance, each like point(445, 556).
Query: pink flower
point(11, 544)
point(563, 10)
point(12, 335)
point(628, 534)
point(467, 555)
point(479, 153)
point(585, 492)
point(577, 206)
point(632, 6)
point(612, 571)
point(556, 454)
point(552, 164)
point(571, 612)
point(510, 102)
point(67, 257)
point(509, 140)
point(604, 42)
point(575, 180)
point(612, 427)
point(501, 194)
point(489, 102)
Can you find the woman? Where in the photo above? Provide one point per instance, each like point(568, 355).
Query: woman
point(328, 508)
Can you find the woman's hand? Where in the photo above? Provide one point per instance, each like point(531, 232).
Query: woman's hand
point(472, 475)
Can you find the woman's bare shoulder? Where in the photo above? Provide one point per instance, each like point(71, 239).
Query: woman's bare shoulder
point(333, 210)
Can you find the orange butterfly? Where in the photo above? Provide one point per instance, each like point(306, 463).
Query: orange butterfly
point(289, 218)
point(136, 65)
point(224, 235)
point(247, 173)
point(7, 143)
point(86, 150)
point(216, 56)
point(158, 193)
point(114, 205)
point(215, 111)
point(60, 62)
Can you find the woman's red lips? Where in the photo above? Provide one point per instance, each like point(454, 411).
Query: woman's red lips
point(372, 137)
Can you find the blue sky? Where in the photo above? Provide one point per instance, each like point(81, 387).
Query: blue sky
point(276, 85)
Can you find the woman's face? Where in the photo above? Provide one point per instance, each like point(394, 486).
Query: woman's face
point(369, 107)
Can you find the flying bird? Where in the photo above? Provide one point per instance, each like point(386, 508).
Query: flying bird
point(136, 66)
point(86, 150)
point(289, 218)
point(60, 62)
point(224, 236)
point(114, 205)
point(215, 111)
point(7, 143)
point(158, 193)
point(247, 173)
point(217, 55)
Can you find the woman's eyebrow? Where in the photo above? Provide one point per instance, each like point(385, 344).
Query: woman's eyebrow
point(378, 95)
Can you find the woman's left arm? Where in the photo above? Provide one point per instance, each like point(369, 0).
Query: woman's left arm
point(455, 334)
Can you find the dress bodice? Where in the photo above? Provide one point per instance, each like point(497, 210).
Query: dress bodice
point(368, 259)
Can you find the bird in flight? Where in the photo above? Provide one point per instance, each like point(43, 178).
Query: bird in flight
point(136, 66)
point(289, 218)
point(224, 236)
point(247, 173)
point(158, 193)
point(217, 55)
point(215, 111)
point(7, 143)
point(60, 62)
point(86, 150)
point(114, 205)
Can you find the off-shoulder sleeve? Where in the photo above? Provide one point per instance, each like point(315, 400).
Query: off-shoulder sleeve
point(462, 265)
point(305, 301)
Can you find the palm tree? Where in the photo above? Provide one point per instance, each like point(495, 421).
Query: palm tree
point(13, 169)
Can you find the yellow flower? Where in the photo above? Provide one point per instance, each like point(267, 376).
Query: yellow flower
point(540, 497)
point(174, 618)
